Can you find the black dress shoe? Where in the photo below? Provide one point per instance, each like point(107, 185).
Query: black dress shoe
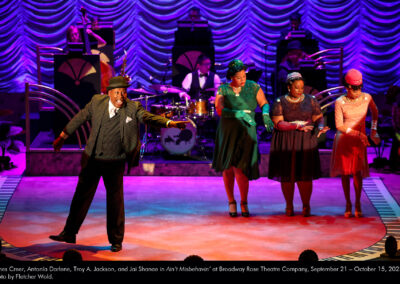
point(116, 247)
point(64, 237)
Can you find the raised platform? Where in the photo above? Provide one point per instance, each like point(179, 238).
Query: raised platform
point(45, 162)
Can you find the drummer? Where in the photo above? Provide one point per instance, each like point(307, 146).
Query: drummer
point(202, 83)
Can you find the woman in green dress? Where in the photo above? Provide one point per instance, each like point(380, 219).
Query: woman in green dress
point(236, 148)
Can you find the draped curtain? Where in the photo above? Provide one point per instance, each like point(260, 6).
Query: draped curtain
point(368, 30)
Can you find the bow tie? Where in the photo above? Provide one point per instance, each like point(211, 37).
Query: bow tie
point(203, 75)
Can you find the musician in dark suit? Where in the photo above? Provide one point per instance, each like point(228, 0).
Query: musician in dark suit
point(113, 141)
point(196, 83)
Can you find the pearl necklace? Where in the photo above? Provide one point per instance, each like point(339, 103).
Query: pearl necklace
point(236, 90)
point(295, 100)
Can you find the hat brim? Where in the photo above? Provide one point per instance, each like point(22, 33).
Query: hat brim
point(117, 86)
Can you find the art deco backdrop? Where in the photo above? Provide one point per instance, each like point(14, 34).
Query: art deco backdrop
point(368, 30)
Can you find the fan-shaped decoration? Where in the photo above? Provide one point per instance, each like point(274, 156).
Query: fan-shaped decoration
point(189, 59)
point(77, 69)
point(103, 56)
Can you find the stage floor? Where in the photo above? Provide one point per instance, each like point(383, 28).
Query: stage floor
point(169, 218)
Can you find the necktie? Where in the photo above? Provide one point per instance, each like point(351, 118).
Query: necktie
point(114, 112)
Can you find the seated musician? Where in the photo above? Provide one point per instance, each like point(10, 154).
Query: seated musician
point(295, 22)
point(290, 63)
point(73, 35)
point(202, 83)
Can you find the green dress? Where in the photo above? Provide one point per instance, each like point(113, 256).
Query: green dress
point(236, 140)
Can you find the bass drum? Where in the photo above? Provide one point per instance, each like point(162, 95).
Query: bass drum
point(178, 142)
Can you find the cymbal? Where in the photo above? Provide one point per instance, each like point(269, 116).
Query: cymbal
point(142, 91)
point(167, 89)
point(5, 112)
point(15, 130)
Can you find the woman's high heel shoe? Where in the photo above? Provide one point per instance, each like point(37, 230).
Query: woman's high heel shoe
point(358, 213)
point(347, 213)
point(289, 212)
point(245, 209)
point(232, 209)
point(306, 211)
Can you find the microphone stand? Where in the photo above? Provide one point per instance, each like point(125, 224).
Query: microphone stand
point(167, 67)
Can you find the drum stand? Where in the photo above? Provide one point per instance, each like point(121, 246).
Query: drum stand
point(201, 144)
point(201, 138)
point(204, 158)
point(143, 147)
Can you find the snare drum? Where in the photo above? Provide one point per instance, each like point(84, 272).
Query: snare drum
point(177, 141)
point(198, 108)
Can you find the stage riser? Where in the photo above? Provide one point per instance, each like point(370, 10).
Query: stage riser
point(67, 163)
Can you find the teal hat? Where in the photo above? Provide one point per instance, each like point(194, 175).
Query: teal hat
point(117, 82)
point(235, 66)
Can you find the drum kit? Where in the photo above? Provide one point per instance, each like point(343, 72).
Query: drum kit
point(175, 141)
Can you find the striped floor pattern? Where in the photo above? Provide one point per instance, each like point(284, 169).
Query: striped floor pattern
point(8, 184)
point(389, 212)
point(21, 254)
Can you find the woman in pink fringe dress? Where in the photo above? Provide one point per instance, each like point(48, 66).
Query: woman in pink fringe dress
point(349, 155)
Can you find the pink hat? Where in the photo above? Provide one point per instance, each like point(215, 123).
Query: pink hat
point(353, 77)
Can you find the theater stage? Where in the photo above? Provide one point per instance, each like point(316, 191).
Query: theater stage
point(170, 217)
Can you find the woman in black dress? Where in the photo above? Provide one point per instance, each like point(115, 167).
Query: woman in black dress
point(294, 156)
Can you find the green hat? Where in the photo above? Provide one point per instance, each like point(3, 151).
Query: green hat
point(117, 82)
point(235, 66)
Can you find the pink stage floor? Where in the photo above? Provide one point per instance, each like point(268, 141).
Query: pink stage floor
point(169, 218)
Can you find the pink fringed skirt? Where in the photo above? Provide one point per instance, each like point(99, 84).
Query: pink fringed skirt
point(349, 156)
